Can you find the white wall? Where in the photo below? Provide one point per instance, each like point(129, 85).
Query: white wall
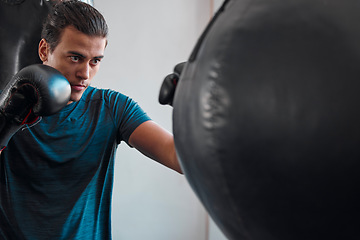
point(147, 39)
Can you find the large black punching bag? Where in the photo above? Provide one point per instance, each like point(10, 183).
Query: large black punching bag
point(267, 122)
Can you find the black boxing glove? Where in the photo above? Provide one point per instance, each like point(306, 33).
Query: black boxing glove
point(36, 90)
point(167, 90)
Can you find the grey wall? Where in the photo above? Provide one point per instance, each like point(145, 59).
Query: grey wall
point(147, 38)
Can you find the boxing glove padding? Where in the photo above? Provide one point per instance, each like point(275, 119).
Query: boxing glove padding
point(168, 87)
point(36, 90)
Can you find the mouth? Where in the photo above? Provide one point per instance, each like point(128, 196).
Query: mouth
point(78, 87)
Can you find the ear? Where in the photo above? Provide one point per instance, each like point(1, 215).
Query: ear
point(44, 50)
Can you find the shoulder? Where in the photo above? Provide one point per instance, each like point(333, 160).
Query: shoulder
point(109, 96)
point(117, 103)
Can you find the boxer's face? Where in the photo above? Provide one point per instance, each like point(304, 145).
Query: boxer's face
point(77, 57)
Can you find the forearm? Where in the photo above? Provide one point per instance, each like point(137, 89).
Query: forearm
point(156, 143)
point(164, 157)
point(167, 155)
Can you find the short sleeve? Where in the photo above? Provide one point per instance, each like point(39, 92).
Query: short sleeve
point(127, 114)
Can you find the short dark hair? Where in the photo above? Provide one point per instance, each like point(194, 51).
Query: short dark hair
point(80, 15)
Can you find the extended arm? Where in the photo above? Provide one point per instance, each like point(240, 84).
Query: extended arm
point(156, 143)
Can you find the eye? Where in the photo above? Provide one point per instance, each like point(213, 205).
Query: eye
point(74, 58)
point(95, 61)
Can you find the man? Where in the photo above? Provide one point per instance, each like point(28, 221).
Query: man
point(56, 177)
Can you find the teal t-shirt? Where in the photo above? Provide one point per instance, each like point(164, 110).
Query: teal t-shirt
point(56, 177)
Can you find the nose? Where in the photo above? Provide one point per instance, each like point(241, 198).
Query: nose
point(83, 71)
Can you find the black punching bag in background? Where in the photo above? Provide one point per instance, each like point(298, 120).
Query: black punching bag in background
point(20, 34)
point(267, 119)
point(20, 31)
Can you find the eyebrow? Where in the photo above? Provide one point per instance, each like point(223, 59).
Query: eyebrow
point(83, 56)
